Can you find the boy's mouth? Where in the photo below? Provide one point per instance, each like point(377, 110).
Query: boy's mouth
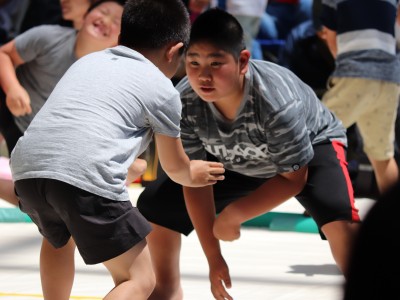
point(65, 9)
point(207, 89)
point(101, 29)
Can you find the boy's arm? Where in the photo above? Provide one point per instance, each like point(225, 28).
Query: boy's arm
point(200, 205)
point(17, 99)
point(180, 169)
point(330, 38)
point(136, 169)
point(269, 195)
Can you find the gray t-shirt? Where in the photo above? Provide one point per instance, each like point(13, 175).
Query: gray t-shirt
point(279, 121)
point(48, 52)
point(99, 118)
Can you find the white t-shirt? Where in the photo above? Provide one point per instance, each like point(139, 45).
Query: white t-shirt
point(99, 118)
point(254, 8)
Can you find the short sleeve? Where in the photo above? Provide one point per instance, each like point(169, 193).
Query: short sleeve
point(164, 113)
point(33, 42)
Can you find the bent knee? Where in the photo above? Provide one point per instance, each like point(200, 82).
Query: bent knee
point(143, 286)
point(149, 284)
point(341, 228)
point(166, 293)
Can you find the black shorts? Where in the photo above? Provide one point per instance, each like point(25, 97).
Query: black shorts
point(327, 196)
point(101, 228)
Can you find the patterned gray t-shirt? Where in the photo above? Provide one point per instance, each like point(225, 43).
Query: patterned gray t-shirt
point(279, 121)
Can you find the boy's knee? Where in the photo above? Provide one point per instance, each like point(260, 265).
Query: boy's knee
point(143, 285)
point(149, 284)
point(166, 292)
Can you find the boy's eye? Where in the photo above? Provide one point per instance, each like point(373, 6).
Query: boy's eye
point(194, 63)
point(216, 64)
point(104, 11)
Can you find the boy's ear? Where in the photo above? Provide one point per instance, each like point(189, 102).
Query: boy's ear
point(173, 50)
point(244, 58)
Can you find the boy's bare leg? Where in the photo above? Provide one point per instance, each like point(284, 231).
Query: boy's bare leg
point(57, 266)
point(132, 273)
point(386, 173)
point(165, 248)
point(341, 236)
point(7, 191)
point(57, 270)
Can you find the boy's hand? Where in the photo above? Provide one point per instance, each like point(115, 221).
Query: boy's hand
point(220, 278)
point(226, 228)
point(206, 172)
point(18, 101)
point(136, 169)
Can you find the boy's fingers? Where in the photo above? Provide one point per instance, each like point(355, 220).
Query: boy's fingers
point(224, 293)
point(216, 177)
point(28, 108)
point(221, 294)
point(215, 164)
point(217, 171)
point(227, 281)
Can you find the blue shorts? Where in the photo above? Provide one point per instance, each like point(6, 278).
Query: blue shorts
point(327, 196)
point(101, 228)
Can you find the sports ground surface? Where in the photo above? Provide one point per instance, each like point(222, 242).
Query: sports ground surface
point(279, 256)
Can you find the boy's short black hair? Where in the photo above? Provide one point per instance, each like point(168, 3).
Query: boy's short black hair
point(95, 3)
point(219, 28)
point(153, 24)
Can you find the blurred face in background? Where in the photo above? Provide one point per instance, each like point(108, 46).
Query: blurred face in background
point(74, 11)
point(102, 24)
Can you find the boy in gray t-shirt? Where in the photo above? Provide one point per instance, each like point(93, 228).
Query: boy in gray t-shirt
point(70, 167)
point(276, 140)
point(33, 63)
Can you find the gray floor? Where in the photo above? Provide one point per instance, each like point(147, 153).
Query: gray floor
point(264, 264)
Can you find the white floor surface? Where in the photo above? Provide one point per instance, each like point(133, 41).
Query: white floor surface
point(264, 264)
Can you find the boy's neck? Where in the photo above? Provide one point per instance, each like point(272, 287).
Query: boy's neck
point(84, 46)
point(158, 58)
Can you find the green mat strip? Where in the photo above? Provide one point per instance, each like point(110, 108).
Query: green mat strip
point(280, 221)
point(13, 215)
point(277, 221)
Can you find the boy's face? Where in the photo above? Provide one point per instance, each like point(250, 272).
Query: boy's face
point(213, 73)
point(103, 24)
point(74, 10)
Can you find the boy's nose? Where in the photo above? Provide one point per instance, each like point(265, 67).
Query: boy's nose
point(205, 74)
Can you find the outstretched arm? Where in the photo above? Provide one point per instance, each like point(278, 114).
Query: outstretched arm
point(17, 99)
point(201, 208)
point(180, 169)
point(269, 195)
